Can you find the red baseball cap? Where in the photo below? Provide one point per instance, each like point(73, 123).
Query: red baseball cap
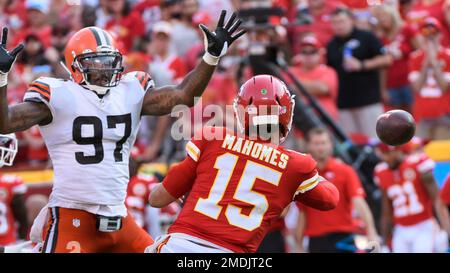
point(201, 17)
point(310, 41)
point(431, 22)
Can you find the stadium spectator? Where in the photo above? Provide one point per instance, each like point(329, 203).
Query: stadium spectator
point(318, 79)
point(357, 56)
point(166, 67)
point(194, 50)
point(314, 18)
point(430, 78)
point(326, 229)
point(35, 61)
point(404, 7)
point(102, 14)
point(398, 39)
point(125, 24)
point(170, 10)
point(219, 94)
point(439, 9)
point(184, 32)
point(13, 15)
point(150, 12)
point(37, 23)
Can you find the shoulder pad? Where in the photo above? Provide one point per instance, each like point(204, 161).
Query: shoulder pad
point(145, 80)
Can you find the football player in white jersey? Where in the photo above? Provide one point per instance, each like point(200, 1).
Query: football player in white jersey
point(89, 125)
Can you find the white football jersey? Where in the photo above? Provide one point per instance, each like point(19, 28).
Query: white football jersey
point(89, 139)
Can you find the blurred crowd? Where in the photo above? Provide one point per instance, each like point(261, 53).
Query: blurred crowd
point(358, 58)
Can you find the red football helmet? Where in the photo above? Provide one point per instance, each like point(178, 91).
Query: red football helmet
point(264, 100)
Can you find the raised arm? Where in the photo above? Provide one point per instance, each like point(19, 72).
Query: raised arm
point(161, 100)
point(23, 115)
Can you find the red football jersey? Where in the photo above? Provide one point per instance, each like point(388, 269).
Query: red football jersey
point(410, 201)
point(240, 188)
point(137, 196)
point(9, 186)
point(138, 192)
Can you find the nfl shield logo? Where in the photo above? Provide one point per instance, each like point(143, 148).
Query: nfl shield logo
point(76, 222)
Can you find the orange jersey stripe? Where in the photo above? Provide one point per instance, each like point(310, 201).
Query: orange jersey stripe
point(35, 89)
point(163, 243)
point(41, 85)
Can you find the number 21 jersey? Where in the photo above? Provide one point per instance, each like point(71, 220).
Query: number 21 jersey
point(410, 201)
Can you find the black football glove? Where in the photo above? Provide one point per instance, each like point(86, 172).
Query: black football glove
point(7, 58)
point(217, 42)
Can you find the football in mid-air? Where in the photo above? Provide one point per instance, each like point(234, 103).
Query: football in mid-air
point(395, 127)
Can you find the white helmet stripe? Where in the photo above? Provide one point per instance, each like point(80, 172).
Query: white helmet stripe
point(265, 119)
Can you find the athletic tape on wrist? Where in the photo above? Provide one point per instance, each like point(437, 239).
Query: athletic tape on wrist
point(210, 59)
point(3, 79)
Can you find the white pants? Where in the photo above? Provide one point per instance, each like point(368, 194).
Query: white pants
point(419, 238)
point(183, 243)
point(361, 120)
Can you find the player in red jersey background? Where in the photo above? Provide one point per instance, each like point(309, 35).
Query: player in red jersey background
point(142, 180)
point(254, 180)
point(409, 193)
point(12, 190)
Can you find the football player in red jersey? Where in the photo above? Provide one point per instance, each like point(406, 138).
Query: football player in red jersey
point(12, 190)
point(143, 179)
point(239, 184)
point(409, 192)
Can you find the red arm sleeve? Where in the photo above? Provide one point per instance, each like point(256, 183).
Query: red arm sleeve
point(180, 178)
point(324, 196)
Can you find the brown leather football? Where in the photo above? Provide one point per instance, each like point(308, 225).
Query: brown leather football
point(395, 127)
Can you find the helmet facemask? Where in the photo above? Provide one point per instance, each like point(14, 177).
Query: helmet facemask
point(100, 70)
point(8, 149)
